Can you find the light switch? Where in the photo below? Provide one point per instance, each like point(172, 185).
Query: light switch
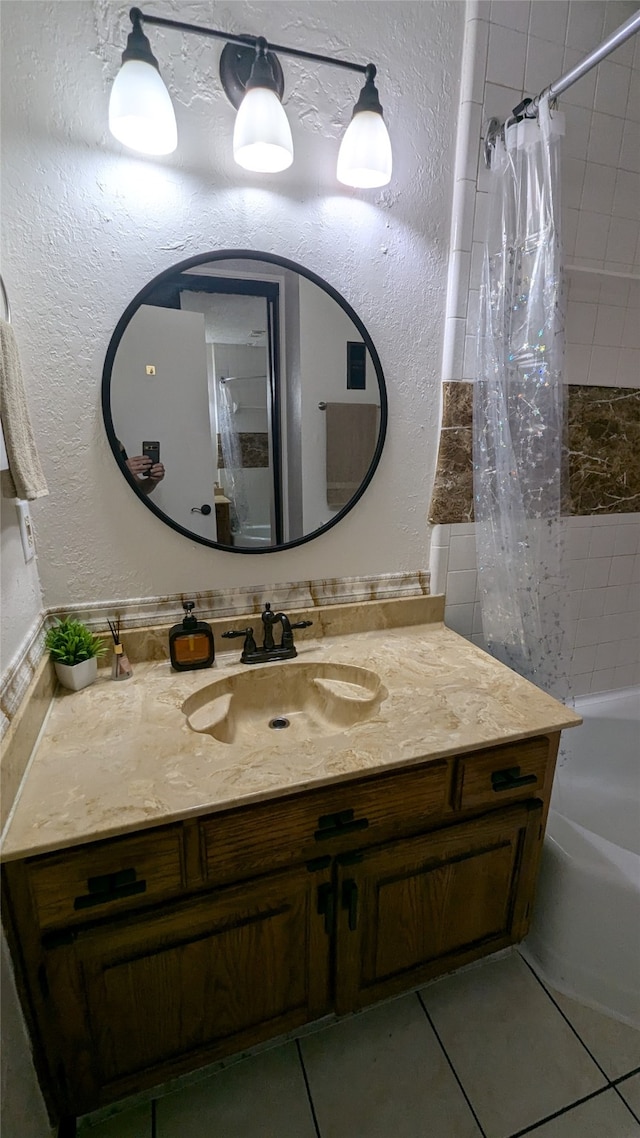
point(26, 531)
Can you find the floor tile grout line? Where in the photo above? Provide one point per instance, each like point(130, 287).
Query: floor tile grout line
point(309, 1095)
point(558, 1113)
point(629, 1075)
point(629, 1108)
point(566, 1019)
point(453, 1070)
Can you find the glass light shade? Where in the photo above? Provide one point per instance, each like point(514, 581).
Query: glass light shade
point(141, 114)
point(364, 159)
point(262, 136)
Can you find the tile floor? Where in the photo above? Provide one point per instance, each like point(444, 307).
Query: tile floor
point(486, 1053)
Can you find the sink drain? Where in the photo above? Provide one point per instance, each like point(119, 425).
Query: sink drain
point(279, 723)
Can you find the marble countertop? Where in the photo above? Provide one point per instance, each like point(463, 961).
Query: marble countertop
point(119, 757)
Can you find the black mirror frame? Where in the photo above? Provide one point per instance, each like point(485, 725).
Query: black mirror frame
point(114, 343)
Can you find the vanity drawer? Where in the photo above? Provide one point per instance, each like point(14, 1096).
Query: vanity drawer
point(501, 775)
point(258, 839)
point(105, 877)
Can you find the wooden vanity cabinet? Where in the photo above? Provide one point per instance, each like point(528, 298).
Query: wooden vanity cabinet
point(414, 909)
point(150, 955)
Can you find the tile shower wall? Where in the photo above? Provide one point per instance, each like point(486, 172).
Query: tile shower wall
point(514, 48)
point(603, 566)
point(602, 330)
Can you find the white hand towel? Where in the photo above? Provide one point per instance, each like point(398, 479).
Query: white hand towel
point(24, 479)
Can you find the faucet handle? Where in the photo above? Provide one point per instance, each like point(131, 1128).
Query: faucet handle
point(302, 624)
point(249, 646)
point(249, 643)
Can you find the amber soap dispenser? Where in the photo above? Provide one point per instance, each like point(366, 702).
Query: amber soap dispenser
point(191, 643)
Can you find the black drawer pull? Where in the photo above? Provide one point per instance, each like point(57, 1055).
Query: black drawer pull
point(345, 828)
point(110, 887)
point(511, 778)
point(350, 902)
point(330, 821)
point(110, 881)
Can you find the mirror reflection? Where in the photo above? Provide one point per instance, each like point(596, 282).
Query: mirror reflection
point(244, 401)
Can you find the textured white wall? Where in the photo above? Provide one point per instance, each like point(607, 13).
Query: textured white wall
point(20, 584)
point(85, 225)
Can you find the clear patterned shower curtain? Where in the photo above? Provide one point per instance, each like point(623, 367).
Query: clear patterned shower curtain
point(518, 410)
point(234, 474)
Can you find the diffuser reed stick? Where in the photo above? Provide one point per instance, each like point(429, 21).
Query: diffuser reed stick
point(120, 667)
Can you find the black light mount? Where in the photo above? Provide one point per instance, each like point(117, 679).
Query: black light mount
point(138, 46)
point(243, 67)
point(369, 100)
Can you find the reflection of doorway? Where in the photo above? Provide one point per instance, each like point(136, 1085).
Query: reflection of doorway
point(157, 386)
point(242, 320)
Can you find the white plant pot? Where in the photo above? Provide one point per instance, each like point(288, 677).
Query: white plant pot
point(77, 676)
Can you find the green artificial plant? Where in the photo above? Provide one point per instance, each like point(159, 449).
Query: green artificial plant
point(70, 642)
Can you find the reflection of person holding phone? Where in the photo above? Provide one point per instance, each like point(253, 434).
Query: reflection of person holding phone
point(145, 472)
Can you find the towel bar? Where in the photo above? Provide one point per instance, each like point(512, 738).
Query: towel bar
point(322, 406)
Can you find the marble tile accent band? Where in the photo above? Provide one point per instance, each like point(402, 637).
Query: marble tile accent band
point(603, 456)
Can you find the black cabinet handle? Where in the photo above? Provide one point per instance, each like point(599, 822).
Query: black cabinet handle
point(326, 906)
point(343, 828)
point(350, 902)
point(511, 778)
point(342, 822)
point(110, 887)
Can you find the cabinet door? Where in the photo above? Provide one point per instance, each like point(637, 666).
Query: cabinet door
point(412, 909)
point(190, 982)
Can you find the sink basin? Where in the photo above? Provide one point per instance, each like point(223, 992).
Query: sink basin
point(289, 701)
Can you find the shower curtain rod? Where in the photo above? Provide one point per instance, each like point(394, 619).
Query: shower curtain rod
point(528, 108)
point(233, 378)
point(616, 39)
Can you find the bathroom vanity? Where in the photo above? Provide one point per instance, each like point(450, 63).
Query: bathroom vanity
point(173, 899)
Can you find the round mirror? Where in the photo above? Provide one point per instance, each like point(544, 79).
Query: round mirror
point(244, 401)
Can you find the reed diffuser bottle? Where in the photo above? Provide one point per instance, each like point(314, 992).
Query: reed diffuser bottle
point(120, 667)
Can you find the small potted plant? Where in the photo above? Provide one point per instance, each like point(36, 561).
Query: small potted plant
point(74, 650)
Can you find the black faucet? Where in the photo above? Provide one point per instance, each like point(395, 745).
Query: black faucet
point(285, 650)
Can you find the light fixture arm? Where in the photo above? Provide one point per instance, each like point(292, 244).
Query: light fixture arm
point(141, 115)
point(138, 17)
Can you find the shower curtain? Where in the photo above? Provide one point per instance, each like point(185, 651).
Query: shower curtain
point(518, 410)
point(233, 475)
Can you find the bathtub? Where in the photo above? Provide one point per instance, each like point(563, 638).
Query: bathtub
point(585, 933)
point(251, 535)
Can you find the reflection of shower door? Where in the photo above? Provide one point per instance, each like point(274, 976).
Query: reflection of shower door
point(274, 415)
point(242, 317)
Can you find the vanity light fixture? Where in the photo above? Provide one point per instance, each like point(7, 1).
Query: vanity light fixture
point(141, 114)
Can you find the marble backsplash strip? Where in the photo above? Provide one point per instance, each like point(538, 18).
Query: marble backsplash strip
point(604, 452)
point(145, 644)
point(20, 673)
point(295, 595)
